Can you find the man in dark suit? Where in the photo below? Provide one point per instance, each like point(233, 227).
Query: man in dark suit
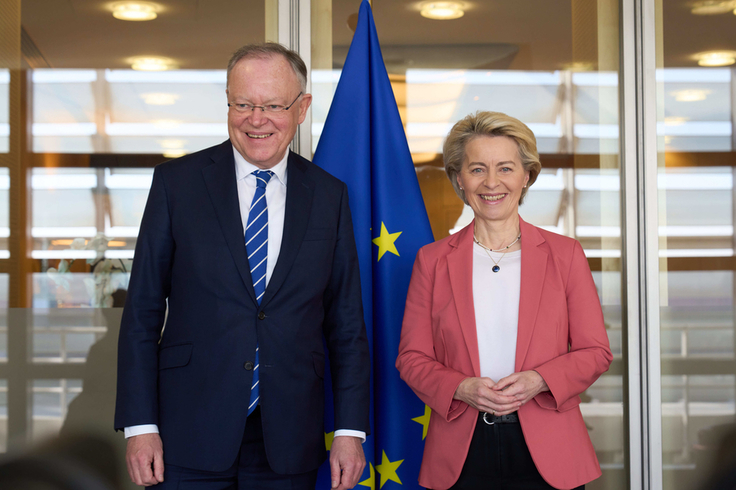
point(246, 253)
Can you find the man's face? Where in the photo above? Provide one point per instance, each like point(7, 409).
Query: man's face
point(263, 138)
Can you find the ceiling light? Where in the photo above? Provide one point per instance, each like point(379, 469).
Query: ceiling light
point(172, 144)
point(442, 10)
point(135, 11)
point(675, 120)
point(691, 95)
point(174, 153)
point(149, 63)
point(159, 98)
point(712, 7)
point(716, 58)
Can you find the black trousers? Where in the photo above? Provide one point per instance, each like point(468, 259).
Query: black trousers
point(498, 459)
point(250, 470)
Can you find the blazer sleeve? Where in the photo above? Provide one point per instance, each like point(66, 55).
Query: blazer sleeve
point(344, 330)
point(589, 353)
point(417, 362)
point(144, 313)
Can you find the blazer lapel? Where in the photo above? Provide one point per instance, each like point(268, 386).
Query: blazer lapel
point(533, 270)
point(299, 192)
point(222, 186)
point(460, 268)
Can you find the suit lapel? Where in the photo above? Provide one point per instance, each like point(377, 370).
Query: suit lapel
point(299, 192)
point(222, 186)
point(460, 269)
point(533, 270)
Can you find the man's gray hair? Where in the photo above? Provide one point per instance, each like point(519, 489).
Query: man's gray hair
point(266, 50)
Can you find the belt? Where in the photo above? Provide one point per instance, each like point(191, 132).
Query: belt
point(512, 418)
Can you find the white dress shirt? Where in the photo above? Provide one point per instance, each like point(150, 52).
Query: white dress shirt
point(276, 200)
point(496, 301)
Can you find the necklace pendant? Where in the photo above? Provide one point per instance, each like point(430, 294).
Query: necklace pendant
point(496, 268)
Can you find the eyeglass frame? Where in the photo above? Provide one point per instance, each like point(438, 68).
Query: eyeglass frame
point(263, 108)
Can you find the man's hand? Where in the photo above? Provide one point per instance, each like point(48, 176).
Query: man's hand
point(347, 462)
point(145, 459)
point(482, 395)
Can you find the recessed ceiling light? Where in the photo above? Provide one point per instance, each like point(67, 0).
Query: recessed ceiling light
point(442, 10)
point(716, 58)
point(691, 95)
point(174, 153)
point(151, 63)
point(135, 11)
point(159, 98)
point(712, 7)
point(172, 144)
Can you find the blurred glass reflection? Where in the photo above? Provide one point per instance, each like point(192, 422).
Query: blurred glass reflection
point(4, 110)
point(696, 244)
point(126, 111)
point(3, 415)
point(50, 400)
point(85, 224)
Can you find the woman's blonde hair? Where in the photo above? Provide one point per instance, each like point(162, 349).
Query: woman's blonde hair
point(485, 123)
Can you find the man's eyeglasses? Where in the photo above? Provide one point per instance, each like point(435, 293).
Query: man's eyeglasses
point(272, 108)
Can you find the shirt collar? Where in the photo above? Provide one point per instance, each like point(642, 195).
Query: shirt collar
point(244, 168)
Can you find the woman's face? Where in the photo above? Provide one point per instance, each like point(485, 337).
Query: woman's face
point(492, 176)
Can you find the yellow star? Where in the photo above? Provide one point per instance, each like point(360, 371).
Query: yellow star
point(387, 469)
point(386, 241)
point(329, 436)
point(424, 420)
point(370, 482)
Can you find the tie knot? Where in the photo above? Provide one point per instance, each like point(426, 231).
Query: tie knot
point(262, 177)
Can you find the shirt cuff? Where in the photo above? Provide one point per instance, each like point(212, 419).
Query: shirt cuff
point(139, 430)
point(352, 433)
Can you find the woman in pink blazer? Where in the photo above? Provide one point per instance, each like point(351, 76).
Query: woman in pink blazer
point(502, 329)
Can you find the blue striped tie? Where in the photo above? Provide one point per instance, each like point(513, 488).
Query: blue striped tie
point(256, 244)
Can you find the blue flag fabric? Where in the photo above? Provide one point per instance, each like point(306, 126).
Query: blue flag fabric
point(363, 144)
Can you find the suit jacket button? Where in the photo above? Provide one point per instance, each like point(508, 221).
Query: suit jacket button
point(248, 366)
point(261, 316)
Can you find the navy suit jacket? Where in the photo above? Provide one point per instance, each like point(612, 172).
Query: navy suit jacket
point(192, 379)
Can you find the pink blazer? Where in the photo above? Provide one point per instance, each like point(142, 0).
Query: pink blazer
point(561, 335)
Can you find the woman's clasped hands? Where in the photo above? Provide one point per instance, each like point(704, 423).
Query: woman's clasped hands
point(503, 397)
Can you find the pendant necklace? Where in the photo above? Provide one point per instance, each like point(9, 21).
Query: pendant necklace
point(496, 267)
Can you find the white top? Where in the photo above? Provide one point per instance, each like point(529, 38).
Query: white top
point(276, 201)
point(496, 303)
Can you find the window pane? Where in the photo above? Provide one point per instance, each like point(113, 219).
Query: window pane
point(696, 242)
point(554, 67)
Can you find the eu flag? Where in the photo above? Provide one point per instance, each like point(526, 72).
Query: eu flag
point(363, 144)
